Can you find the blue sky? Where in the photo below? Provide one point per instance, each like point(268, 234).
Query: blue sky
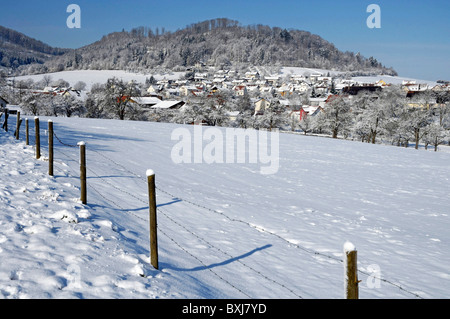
point(414, 37)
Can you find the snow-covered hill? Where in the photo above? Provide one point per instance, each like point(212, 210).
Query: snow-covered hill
point(225, 230)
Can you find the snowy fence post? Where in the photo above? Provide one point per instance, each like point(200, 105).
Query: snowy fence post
point(153, 228)
point(19, 121)
point(82, 146)
point(351, 269)
point(27, 132)
point(38, 138)
point(50, 147)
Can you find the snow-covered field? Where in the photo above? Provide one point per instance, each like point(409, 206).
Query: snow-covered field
point(224, 230)
point(91, 77)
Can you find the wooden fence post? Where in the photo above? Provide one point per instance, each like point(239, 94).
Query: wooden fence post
point(153, 223)
point(5, 124)
point(50, 147)
point(38, 138)
point(27, 131)
point(351, 275)
point(18, 122)
point(82, 146)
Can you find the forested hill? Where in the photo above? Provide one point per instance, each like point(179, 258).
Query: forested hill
point(218, 42)
point(17, 49)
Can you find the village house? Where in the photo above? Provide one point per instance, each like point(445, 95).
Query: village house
point(325, 79)
point(220, 74)
point(227, 85)
point(238, 82)
point(304, 112)
point(252, 87)
point(441, 88)
point(301, 88)
point(168, 105)
point(355, 89)
point(145, 101)
point(164, 83)
point(179, 83)
point(232, 115)
point(261, 105)
point(415, 87)
point(321, 88)
point(272, 80)
point(191, 90)
point(240, 90)
point(267, 90)
point(154, 90)
point(320, 101)
point(171, 93)
point(71, 93)
point(310, 110)
point(284, 90)
point(291, 104)
point(251, 76)
point(315, 77)
point(298, 78)
point(218, 80)
point(381, 83)
point(261, 82)
point(199, 77)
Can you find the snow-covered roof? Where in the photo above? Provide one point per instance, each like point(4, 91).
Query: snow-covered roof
point(168, 104)
point(11, 107)
point(146, 100)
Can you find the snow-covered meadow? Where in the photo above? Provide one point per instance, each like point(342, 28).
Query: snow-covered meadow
point(224, 230)
point(91, 77)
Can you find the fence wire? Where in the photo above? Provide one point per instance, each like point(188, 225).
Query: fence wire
point(203, 207)
point(307, 250)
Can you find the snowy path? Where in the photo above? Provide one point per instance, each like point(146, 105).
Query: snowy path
point(225, 231)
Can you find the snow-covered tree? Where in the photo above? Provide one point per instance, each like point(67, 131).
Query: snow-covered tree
point(435, 135)
point(245, 109)
point(275, 116)
point(306, 124)
point(95, 104)
point(118, 96)
point(337, 116)
point(416, 121)
point(80, 86)
point(32, 103)
point(71, 106)
point(372, 110)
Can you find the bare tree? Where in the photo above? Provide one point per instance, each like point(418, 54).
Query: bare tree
point(337, 115)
